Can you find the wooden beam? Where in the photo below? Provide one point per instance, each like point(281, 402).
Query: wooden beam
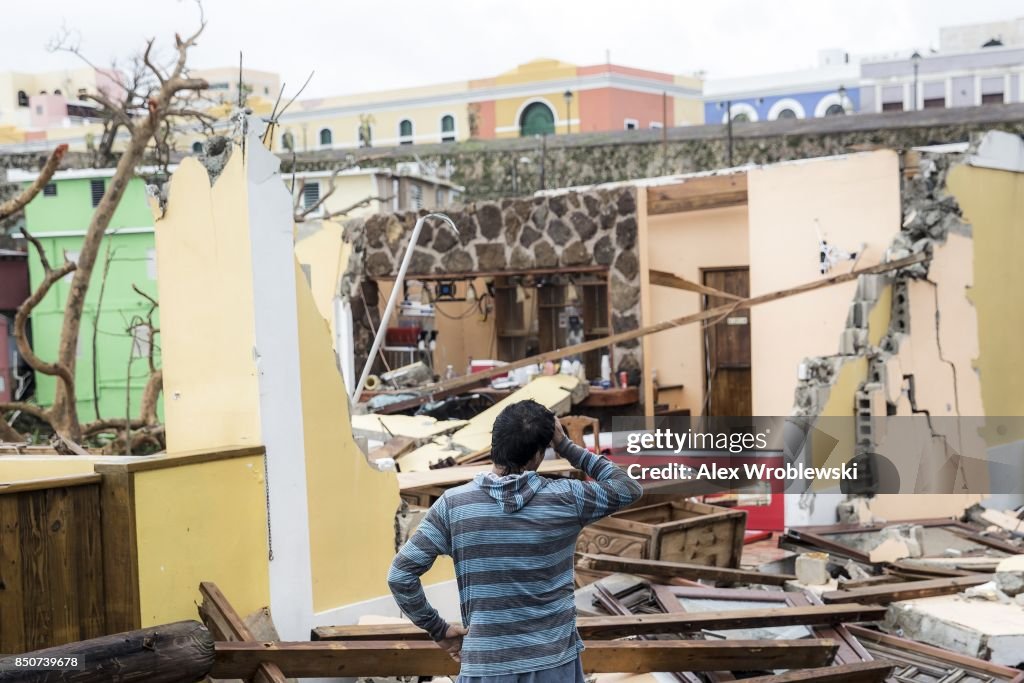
point(859, 672)
point(49, 483)
point(669, 570)
point(909, 590)
point(665, 279)
point(445, 277)
point(418, 658)
point(696, 194)
point(604, 628)
point(172, 653)
point(452, 386)
point(226, 625)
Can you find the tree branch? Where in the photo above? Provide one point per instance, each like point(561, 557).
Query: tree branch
point(348, 209)
point(16, 204)
point(24, 407)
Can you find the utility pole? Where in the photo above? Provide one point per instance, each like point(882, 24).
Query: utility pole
point(915, 59)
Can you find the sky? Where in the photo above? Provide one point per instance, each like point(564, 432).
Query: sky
point(372, 45)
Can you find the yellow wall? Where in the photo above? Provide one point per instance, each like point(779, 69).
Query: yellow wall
point(853, 199)
point(351, 505)
point(993, 204)
point(211, 390)
point(683, 244)
point(203, 522)
point(26, 467)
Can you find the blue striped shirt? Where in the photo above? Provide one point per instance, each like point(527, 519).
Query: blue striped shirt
point(513, 540)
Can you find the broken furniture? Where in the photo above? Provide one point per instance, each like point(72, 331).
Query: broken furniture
point(676, 531)
point(576, 425)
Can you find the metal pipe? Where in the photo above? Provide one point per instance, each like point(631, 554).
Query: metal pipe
point(389, 309)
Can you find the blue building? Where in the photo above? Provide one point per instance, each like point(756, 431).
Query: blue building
point(830, 89)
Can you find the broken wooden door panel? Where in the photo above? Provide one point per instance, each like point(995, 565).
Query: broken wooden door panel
point(917, 662)
point(683, 599)
point(727, 346)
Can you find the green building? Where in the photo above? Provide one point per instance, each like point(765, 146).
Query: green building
point(112, 363)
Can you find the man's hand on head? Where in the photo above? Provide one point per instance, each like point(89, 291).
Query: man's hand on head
point(559, 434)
point(452, 642)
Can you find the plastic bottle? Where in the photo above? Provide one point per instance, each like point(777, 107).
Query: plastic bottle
point(606, 368)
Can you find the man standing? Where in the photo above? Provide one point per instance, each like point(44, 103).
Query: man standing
point(512, 535)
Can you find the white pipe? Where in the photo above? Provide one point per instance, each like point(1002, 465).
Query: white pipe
point(389, 309)
point(343, 339)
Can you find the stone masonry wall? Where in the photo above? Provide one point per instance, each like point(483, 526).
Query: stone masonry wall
point(558, 231)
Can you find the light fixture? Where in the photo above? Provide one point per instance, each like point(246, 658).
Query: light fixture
point(520, 293)
point(570, 292)
point(471, 293)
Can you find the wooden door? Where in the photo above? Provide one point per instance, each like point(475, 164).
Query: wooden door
point(727, 347)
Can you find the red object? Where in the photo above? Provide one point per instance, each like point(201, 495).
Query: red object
point(623, 379)
point(485, 365)
point(402, 336)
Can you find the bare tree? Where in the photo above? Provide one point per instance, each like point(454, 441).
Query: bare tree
point(152, 95)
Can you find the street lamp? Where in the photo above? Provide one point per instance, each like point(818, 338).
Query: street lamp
point(915, 59)
point(568, 111)
point(842, 97)
point(727, 105)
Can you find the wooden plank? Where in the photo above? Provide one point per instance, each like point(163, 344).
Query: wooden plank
point(38, 617)
point(695, 194)
point(668, 570)
point(171, 653)
point(861, 672)
point(909, 590)
point(48, 483)
point(453, 385)
point(120, 551)
point(61, 594)
point(392, 448)
point(12, 597)
point(602, 628)
point(418, 658)
point(449, 476)
point(226, 624)
point(164, 461)
point(611, 398)
point(665, 279)
point(87, 549)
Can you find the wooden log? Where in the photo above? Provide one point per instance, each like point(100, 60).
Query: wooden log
point(225, 623)
point(665, 279)
point(670, 570)
point(182, 652)
point(600, 628)
point(418, 658)
point(909, 590)
point(452, 386)
point(860, 672)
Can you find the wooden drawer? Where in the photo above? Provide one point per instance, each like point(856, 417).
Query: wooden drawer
point(674, 531)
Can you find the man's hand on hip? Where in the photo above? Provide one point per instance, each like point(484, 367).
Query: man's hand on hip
point(452, 642)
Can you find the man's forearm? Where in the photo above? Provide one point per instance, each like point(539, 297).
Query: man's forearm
point(594, 466)
point(408, 593)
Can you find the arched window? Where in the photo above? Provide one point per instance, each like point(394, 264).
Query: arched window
point(326, 137)
point(537, 119)
point(741, 118)
point(22, 98)
point(447, 128)
point(786, 114)
point(197, 147)
point(835, 110)
point(288, 141)
point(57, 91)
point(405, 132)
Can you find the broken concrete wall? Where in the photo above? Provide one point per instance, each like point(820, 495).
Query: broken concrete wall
point(926, 363)
point(556, 231)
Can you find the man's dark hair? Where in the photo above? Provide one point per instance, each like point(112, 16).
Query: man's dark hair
point(519, 431)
